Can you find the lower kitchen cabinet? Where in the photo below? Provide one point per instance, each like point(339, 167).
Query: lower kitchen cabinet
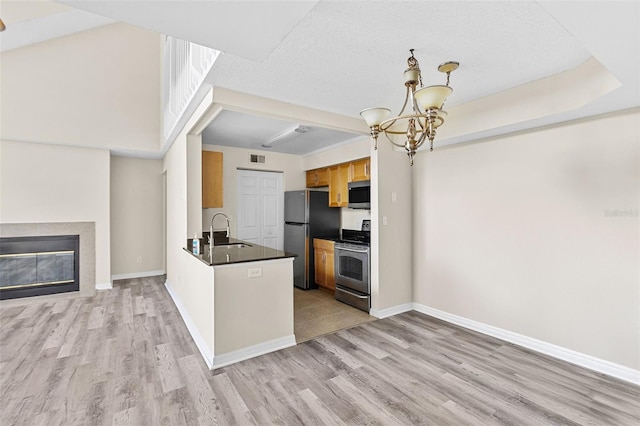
point(323, 260)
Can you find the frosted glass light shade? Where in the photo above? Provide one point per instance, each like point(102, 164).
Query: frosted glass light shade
point(375, 116)
point(432, 96)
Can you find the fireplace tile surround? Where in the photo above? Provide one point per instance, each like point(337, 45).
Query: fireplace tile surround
point(86, 231)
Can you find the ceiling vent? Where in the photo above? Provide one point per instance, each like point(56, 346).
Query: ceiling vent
point(257, 159)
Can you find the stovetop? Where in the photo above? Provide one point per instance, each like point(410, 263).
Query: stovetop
point(353, 236)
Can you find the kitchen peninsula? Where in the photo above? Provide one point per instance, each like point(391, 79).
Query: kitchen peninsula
point(239, 302)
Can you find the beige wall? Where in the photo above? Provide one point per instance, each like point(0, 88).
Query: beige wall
point(537, 233)
point(194, 185)
point(98, 88)
point(391, 254)
point(251, 311)
point(233, 158)
point(187, 276)
point(136, 216)
point(359, 148)
point(52, 183)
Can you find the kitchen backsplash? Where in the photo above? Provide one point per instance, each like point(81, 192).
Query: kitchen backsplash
point(352, 218)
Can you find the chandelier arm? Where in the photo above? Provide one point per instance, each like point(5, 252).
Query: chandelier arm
point(393, 143)
point(420, 141)
point(390, 121)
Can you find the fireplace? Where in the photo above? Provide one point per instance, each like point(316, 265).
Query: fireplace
point(38, 265)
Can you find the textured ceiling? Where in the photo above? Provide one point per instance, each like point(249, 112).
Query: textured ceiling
point(33, 21)
point(241, 130)
point(347, 56)
point(344, 56)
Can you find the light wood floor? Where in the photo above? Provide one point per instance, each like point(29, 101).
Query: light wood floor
point(125, 357)
point(317, 312)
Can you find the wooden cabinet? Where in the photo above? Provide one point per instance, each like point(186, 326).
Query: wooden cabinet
point(323, 261)
point(360, 170)
point(212, 193)
point(338, 185)
point(317, 178)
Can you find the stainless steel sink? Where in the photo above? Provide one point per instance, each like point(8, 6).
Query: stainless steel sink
point(232, 245)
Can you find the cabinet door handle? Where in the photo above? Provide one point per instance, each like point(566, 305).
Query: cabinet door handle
point(366, 169)
point(339, 194)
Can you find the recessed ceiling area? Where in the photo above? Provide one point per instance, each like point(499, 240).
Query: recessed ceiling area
point(241, 130)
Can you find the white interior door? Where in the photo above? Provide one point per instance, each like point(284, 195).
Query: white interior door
point(261, 208)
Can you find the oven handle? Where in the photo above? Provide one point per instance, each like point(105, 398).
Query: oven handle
point(353, 294)
point(355, 251)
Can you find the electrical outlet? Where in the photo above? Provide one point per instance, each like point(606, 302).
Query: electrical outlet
point(254, 272)
point(384, 221)
point(394, 197)
point(139, 259)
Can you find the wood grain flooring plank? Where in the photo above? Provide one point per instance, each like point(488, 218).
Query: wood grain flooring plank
point(69, 346)
point(138, 305)
point(200, 390)
point(170, 375)
point(367, 406)
point(337, 350)
point(326, 416)
point(238, 412)
point(62, 323)
point(362, 344)
point(128, 417)
point(96, 318)
point(124, 356)
point(127, 306)
point(60, 306)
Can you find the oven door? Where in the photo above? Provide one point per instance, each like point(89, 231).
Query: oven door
point(352, 268)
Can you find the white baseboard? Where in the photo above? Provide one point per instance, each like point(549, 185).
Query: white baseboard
point(104, 286)
point(253, 351)
point(394, 310)
point(136, 275)
point(559, 352)
point(205, 351)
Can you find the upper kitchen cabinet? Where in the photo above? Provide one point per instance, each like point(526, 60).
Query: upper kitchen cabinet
point(338, 185)
point(317, 178)
point(360, 170)
point(212, 194)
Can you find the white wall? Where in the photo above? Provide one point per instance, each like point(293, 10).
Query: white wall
point(52, 183)
point(136, 216)
point(537, 233)
point(98, 88)
point(232, 158)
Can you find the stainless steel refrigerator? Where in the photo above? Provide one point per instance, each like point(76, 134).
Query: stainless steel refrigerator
point(307, 215)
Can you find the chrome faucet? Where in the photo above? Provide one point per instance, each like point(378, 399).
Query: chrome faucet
point(211, 227)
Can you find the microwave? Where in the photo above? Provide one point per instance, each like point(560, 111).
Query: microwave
point(359, 195)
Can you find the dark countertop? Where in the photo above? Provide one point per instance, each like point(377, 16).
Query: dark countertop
point(335, 238)
point(225, 255)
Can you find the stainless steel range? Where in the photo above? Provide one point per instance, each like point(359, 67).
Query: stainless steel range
point(352, 269)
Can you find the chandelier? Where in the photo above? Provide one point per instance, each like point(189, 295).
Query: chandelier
point(426, 110)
